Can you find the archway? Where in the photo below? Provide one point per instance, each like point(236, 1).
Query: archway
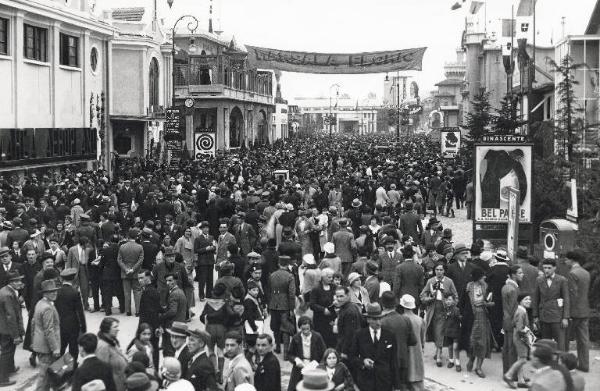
point(236, 127)
point(262, 126)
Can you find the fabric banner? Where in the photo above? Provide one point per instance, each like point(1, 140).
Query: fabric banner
point(336, 63)
point(498, 168)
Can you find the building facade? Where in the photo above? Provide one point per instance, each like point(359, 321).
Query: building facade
point(54, 70)
point(348, 115)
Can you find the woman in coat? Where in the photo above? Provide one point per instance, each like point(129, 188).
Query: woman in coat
point(415, 373)
point(432, 296)
point(321, 303)
point(306, 350)
point(185, 246)
point(109, 350)
point(481, 332)
point(358, 293)
point(520, 330)
point(304, 227)
point(337, 372)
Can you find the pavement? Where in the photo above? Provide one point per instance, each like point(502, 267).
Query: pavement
point(437, 379)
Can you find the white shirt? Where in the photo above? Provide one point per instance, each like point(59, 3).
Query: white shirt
point(7, 267)
point(178, 351)
point(375, 334)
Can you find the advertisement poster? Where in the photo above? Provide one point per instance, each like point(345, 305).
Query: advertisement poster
point(512, 239)
point(204, 144)
point(497, 169)
point(450, 142)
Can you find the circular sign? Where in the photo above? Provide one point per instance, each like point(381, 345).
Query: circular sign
point(189, 102)
point(205, 142)
point(549, 242)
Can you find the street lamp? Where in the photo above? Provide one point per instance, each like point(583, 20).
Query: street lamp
point(192, 26)
point(337, 93)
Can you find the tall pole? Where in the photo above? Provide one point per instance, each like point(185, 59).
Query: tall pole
point(398, 105)
point(192, 26)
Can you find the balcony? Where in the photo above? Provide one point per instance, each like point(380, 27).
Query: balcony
point(200, 81)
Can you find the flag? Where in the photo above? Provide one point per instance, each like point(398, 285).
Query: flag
point(475, 7)
point(525, 8)
point(525, 19)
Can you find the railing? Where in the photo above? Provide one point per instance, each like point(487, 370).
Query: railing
point(194, 75)
point(20, 147)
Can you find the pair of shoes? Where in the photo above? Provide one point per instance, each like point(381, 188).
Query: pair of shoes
point(480, 373)
point(129, 313)
point(439, 363)
point(458, 368)
point(7, 383)
point(137, 314)
point(32, 361)
point(450, 364)
point(522, 385)
point(108, 312)
point(509, 381)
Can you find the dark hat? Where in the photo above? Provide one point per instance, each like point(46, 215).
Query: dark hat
point(14, 275)
point(252, 284)
point(219, 291)
point(17, 221)
point(343, 221)
point(432, 221)
point(169, 251)
point(284, 260)
point(388, 300)
point(476, 274)
point(146, 232)
point(204, 224)
point(389, 240)
point(522, 252)
point(460, 248)
point(49, 286)
point(372, 267)
point(447, 234)
point(68, 272)
point(4, 251)
point(475, 249)
point(179, 329)
point(138, 381)
point(374, 310)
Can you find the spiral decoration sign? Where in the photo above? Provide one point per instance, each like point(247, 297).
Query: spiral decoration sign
point(204, 144)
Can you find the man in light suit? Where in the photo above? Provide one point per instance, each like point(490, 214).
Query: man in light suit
point(579, 286)
point(551, 305)
point(345, 246)
point(11, 326)
point(224, 240)
point(245, 235)
point(46, 332)
point(388, 261)
point(77, 258)
point(239, 370)
point(130, 258)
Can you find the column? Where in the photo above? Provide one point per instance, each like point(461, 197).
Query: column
point(220, 127)
point(54, 59)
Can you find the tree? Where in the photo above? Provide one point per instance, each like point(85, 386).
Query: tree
point(479, 119)
point(506, 120)
point(566, 108)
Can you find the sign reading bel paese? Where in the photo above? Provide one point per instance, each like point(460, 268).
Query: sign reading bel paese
point(497, 169)
point(336, 63)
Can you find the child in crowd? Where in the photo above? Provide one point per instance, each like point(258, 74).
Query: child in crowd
point(452, 323)
point(141, 342)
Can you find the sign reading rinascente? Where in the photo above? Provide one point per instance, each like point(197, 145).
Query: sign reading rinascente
point(306, 62)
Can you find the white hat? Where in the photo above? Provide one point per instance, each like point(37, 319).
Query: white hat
point(94, 385)
point(329, 248)
point(309, 259)
point(289, 207)
point(384, 287)
point(353, 277)
point(486, 256)
point(244, 387)
point(408, 302)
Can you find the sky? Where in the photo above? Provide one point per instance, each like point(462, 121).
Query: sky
point(347, 26)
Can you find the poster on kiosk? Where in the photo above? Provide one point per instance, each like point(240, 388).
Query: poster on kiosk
point(450, 142)
point(497, 169)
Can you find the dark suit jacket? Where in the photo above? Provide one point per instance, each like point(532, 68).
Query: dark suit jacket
point(410, 279)
point(11, 318)
point(579, 287)
point(387, 266)
point(176, 308)
point(184, 358)
point(107, 230)
point(283, 291)
point(90, 369)
point(205, 257)
point(460, 277)
point(400, 328)
point(150, 252)
point(70, 311)
point(383, 376)
point(267, 376)
point(410, 224)
point(150, 307)
point(201, 373)
point(14, 266)
point(544, 300)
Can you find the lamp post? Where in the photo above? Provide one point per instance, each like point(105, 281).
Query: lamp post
point(192, 26)
point(330, 113)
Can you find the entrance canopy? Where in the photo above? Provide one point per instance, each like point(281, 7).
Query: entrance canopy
point(336, 63)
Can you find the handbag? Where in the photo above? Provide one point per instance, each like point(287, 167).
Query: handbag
point(61, 370)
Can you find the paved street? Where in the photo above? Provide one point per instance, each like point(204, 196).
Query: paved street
point(437, 378)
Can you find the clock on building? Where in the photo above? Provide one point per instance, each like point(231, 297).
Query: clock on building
point(189, 102)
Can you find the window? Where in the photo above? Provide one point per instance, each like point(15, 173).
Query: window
point(36, 43)
point(69, 50)
point(94, 59)
point(3, 36)
point(154, 83)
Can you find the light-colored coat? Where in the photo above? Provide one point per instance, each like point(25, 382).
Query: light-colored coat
point(114, 357)
point(416, 367)
point(46, 328)
point(237, 372)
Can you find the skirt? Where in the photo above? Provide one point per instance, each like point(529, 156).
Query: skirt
point(481, 334)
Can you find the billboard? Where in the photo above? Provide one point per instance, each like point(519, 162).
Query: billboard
point(450, 142)
point(204, 144)
point(498, 167)
point(512, 240)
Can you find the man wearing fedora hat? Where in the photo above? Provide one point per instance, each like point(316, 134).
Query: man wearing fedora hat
point(7, 265)
point(374, 354)
point(46, 332)
point(11, 325)
point(177, 339)
point(433, 232)
point(415, 372)
point(460, 268)
point(496, 279)
point(70, 311)
point(200, 370)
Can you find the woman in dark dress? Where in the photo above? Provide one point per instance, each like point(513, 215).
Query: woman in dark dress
point(337, 372)
point(321, 303)
point(306, 350)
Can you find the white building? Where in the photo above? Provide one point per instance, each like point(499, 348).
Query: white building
point(279, 123)
point(54, 75)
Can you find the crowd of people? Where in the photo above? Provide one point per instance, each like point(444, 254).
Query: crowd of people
point(327, 266)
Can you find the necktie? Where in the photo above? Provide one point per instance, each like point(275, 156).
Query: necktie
point(375, 338)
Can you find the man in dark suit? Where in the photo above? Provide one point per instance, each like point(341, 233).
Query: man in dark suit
point(150, 249)
point(107, 226)
point(460, 271)
point(200, 370)
point(7, 266)
point(205, 248)
point(388, 261)
point(374, 354)
point(11, 326)
point(551, 305)
point(282, 301)
point(410, 223)
point(530, 272)
point(410, 279)
point(150, 309)
point(267, 375)
point(496, 279)
point(111, 276)
point(176, 308)
point(579, 286)
point(91, 367)
point(177, 339)
point(400, 328)
point(70, 311)
point(349, 320)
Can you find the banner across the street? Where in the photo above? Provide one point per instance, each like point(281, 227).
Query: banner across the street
point(336, 63)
